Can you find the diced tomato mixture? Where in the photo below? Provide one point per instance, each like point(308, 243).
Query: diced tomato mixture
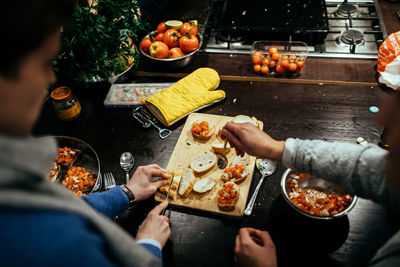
point(227, 194)
point(328, 205)
point(79, 180)
point(65, 155)
point(235, 172)
point(201, 129)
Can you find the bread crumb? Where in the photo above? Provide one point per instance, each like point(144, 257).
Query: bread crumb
point(201, 232)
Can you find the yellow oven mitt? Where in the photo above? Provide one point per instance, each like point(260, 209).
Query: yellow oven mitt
point(189, 94)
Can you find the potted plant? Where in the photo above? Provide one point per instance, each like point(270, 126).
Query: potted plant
point(98, 43)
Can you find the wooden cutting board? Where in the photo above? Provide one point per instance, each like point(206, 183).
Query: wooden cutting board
point(186, 148)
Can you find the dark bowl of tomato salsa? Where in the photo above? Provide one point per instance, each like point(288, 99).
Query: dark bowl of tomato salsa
point(316, 197)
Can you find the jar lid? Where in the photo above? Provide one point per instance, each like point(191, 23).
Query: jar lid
point(61, 93)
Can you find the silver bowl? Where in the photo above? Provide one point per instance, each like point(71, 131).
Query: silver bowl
point(171, 63)
point(319, 183)
point(87, 159)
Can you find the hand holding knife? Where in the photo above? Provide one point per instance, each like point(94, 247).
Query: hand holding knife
point(169, 190)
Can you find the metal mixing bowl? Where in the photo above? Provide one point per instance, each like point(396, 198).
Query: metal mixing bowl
point(87, 159)
point(319, 183)
point(170, 63)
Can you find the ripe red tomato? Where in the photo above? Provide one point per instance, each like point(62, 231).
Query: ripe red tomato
point(300, 64)
point(292, 58)
point(279, 68)
point(264, 69)
point(265, 61)
point(159, 37)
point(273, 50)
point(272, 63)
point(257, 53)
point(175, 53)
point(188, 44)
point(145, 44)
point(161, 27)
point(189, 27)
point(276, 56)
point(285, 64)
point(292, 66)
point(171, 38)
point(257, 68)
point(257, 59)
point(159, 50)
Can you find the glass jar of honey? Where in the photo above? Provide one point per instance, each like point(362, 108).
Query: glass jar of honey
point(65, 103)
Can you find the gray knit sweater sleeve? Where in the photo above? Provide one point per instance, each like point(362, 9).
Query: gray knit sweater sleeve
point(358, 168)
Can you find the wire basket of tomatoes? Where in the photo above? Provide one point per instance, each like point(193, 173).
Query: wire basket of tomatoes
point(279, 57)
point(172, 45)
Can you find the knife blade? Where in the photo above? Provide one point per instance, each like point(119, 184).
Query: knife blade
point(169, 190)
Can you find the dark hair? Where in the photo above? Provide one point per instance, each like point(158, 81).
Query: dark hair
point(24, 27)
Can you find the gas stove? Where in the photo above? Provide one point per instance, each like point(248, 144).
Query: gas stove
point(349, 29)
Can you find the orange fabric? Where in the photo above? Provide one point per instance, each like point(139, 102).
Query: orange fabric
point(388, 51)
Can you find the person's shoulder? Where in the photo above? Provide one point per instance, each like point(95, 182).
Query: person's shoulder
point(43, 238)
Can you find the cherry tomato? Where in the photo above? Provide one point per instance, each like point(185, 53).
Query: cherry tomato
point(272, 63)
point(189, 27)
point(145, 44)
point(292, 66)
point(265, 61)
point(257, 60)
point(300, 64)
point(273, 50)
point(257, 53)
point(292, 58)
point(257, 68)
point(188, 44)
point(276, 56)
point(279, 68)
point(264, 69)
point(161, 27)
point(285, 58)
point(159, 37)
point(171, 38)
point(285, 64)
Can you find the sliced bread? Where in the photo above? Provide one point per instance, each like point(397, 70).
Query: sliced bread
point(187, 183)
point(202, 131)
point(237, 173)
point(218, 148)
point(228, 196)
point(203, 185)
point(244, 119)
point(203, 162)
point(175, 184)
point(241, 160)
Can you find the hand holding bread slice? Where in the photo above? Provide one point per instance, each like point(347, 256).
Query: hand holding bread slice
point(177, 175)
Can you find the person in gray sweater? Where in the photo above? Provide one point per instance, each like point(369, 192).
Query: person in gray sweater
point(366, 171)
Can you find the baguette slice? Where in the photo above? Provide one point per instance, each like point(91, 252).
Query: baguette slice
point(203, 162)
point(241, 160)
point(202, 135)
point(175, 184)
point(187, 183)
point(204, 185)
point(218, 148)
point(228, 196)
point(244, 119)
point(230, 175)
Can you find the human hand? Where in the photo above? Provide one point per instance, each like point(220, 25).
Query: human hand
point(141, 185)
point(246, 138)
point(254, 248)
point(155, 226)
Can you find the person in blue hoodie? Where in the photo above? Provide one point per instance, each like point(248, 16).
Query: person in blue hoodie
point(42, 223)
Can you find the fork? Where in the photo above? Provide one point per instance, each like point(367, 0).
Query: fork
point(109, 181)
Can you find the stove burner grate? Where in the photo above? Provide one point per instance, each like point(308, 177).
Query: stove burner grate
point(352, 37)
point(346, 9)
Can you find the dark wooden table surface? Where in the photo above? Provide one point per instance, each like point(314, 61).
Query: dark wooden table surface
point(329, 101)
point(328, 112)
